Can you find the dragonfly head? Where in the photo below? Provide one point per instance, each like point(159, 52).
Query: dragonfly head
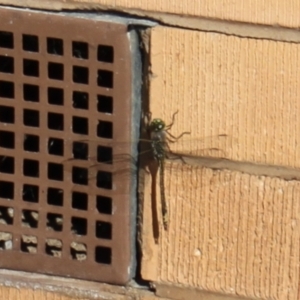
point(157, 125)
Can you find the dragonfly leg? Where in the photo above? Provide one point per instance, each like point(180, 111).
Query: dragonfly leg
point(173, 120)
point(176, 138)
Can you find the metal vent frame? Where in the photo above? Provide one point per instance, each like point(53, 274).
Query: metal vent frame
point(52, 220)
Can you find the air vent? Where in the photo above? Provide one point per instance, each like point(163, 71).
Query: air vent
point(65, 115)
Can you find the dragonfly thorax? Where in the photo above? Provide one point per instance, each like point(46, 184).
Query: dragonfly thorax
point(157, 125)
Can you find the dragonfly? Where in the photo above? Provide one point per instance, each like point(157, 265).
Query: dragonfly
point(160, 136)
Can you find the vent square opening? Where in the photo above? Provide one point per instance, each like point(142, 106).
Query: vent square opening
point(103, 230)
point(79, 200)
point(7, 164)
point(105, 154)
point(80, 150)
point(80, 75)
point(31, 67)
point(31, 168)
point(7, 89)
point(80, 125)
point(7, 114)
point(105, 53)
point(78, 251)
point(31, 118)
point(6, 190)
point(29, 244)
point(53, 247)
point(6, 242)
point(31, 92)
point(80, 175)
point(55, 71)
point(105, 129)
point(55, 46)
point(103, 255)
point(31, 143)
point(6, 64)
point(55, 171)
point(7, 139)
point(105, 78)
point(30, 193)
point(104, 205)
point(30, 43)
point(80, 100)
point(105, 104)
point(30, 218)
point(6, 39)
point(79, 226)
point(54, 222)
point(55, 196)
point(80, 50)
point(56, 146)
point(104, 180)
point(55, 121)
point(55, 96)
point(6, 215)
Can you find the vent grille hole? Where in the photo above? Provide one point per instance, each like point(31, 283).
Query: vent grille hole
point(55, 71)
point(7, 139)
point(105, 104)
point(79, 200)
point(80, 100)
point(55, 171)
point(103, 255)
point(7, 164)
point(30, 218)
point(31, 168)
point(104, 205)
point(80, 50)
point(55, 196)
point(80, 74)
point(31, 93)
point(6, 39)
point(79, 226)
point(30, 43)
point(105, 78)
point(31, 143)
point(6, 190)
point(54, 222)
point(6, 242)
point(6, 215)
point(55, 96)
point(53, 247)
point(104, 180)
point(29, 244)
point(31, 118)
point(56, 146)
point(30, 193)
point(105, 129)
point(55, 46)
point(105, 53)
point(7, 114)
point(7, 89)
point(6, 64)
point(31, 67)
point(78, 251)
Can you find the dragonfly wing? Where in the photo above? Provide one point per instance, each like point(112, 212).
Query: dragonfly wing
point(212, 146)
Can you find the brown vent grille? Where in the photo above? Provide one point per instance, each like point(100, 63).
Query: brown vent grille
point(65, 99)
